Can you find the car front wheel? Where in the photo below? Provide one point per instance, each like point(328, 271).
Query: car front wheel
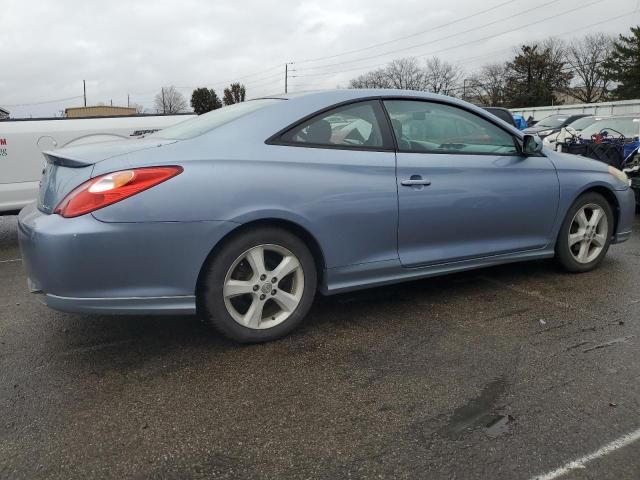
point(586, 233)
point(259, 286)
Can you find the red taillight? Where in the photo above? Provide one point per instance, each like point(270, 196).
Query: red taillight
point(111, 188)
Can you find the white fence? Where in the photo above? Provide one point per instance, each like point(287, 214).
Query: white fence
point(605, 108)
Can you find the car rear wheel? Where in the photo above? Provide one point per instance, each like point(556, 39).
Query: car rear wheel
point(586, 233)
point(259, 286)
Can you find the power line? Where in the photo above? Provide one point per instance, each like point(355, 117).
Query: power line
point(438, 27)
point(422, 44)
point(452, 47)
point(468, 59)
point(43, 102)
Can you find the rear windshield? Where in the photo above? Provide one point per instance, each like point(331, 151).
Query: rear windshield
point(552, 121)
point(626, 126)
point(214, 119)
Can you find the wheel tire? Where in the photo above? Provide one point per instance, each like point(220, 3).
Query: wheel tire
point(564, 254)
point(210, 297)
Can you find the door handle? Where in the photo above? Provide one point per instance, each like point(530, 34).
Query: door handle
point(415, 182)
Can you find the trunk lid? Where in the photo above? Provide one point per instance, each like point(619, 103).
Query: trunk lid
point(68, 167)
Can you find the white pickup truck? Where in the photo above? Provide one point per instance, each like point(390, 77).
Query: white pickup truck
point(22, 142)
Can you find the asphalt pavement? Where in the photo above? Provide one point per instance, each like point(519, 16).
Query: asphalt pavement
point(508, 372)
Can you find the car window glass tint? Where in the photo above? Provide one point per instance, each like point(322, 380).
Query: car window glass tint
point(427, 127)
point(353, 125)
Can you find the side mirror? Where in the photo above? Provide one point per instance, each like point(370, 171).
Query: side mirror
point(531, 145)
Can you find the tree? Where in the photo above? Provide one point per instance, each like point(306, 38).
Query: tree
point(139, 108)
point(488, 85)
point(586, 57)
point(373, 79)
point(623, 65)
point(536, 74)
point(405, 74)
point(234, 94)
point(442, 77)
point(204, 100)
point(170, 100)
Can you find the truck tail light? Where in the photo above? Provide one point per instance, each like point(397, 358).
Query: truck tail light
point(111, 188)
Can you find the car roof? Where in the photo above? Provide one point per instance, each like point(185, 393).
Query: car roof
point(329, 98)
point(346, 94)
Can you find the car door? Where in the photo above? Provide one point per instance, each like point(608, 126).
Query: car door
point(464, 189)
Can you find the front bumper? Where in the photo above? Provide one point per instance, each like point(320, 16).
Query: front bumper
point(84, 265)
point(627, 204)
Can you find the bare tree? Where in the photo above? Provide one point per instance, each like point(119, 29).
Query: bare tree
point(442, 77)
point(170, 100)
point(586, 57)
point(139, 108)
point(373, 79)
point(405, 74)
point(487, 86)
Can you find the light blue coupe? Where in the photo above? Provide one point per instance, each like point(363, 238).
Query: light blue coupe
point(242, 214)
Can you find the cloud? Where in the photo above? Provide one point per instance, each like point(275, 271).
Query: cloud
point(123, 47)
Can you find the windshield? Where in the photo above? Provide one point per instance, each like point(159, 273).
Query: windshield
point(552, 121)
point(615, 126)
point(214, 119)
point(583, 122)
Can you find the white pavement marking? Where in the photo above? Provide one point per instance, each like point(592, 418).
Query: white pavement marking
point(12, 260)
point(601, 452)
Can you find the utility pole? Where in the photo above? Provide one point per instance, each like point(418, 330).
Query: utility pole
point(127, 100)
point(286, 76)
point(164, 107)
point(84, 87)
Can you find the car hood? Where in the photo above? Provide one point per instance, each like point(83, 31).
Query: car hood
point(536, 129)
point(89, 154)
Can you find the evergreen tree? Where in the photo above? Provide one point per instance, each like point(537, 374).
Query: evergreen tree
point(204, 100)
point(234, 94)
point(535, 74)
point(623, 65)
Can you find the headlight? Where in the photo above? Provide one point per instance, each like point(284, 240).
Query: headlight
point(620, 175)
point(543, 133)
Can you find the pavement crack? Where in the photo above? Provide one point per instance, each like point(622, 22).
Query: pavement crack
point(610, 343)
point(577, 345)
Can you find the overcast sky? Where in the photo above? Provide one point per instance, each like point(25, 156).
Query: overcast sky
point(137, 46)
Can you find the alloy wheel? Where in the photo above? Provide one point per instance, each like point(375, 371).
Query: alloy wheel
point(588, 233)
point(263, 286)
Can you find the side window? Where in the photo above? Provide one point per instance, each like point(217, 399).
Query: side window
point(427, 127)
point(351, 126)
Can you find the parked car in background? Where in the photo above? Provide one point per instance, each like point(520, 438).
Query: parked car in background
point(612, 140)
point(574, 129)
point(22, 142)
point(243, 213)
point(502, 114)
point(552, 124)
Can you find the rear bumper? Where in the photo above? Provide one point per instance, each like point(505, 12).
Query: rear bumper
point(185, 305)
point(627, 203)
point(84, 265)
